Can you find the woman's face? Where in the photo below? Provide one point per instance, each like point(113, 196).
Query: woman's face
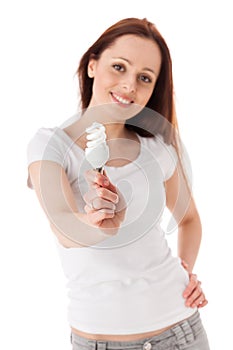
point(126, 72)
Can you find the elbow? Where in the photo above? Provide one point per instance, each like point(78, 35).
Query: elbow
point(191, 220)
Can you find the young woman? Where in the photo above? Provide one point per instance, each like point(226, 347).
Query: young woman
point(127, 291)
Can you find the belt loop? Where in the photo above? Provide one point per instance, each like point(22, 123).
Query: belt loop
point(92, 344)
point(188, 332)
point(184, 333)
point(101, 345)
point(179, 334)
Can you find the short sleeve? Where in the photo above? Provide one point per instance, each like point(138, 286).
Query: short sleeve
point(46, 145)
point(167, 158)
point(171, 162)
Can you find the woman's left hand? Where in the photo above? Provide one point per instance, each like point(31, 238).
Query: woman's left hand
point(193, 292)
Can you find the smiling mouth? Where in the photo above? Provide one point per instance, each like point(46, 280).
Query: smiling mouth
point(121, 100)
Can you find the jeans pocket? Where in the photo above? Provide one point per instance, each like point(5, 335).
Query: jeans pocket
point(76, 345)
point(199, 342)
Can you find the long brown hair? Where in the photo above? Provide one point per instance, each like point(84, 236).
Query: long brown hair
point(161, 102)
point(162, 99)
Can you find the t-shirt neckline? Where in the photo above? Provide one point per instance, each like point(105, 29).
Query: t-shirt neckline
point(136, 160)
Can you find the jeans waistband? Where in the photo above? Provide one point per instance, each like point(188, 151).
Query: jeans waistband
point(184, 332)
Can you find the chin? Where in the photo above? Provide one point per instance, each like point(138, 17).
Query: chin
point(122, 113)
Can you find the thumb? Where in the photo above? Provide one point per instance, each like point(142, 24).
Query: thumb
point(110, 186)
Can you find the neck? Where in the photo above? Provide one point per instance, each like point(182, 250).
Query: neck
point(115, 130)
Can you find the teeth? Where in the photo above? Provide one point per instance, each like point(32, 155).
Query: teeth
point(122, 100)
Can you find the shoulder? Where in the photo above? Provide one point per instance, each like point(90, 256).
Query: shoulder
point(41, 138)
point(49, 137)
point(53, 134)
point(158, 146)
point(48, 144)
point(165, 154)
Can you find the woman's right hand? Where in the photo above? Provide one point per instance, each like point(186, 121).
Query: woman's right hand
point(105, 206)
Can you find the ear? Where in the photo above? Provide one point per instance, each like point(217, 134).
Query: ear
point(91, 68)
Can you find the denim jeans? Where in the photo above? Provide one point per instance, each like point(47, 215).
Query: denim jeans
point(186, 335)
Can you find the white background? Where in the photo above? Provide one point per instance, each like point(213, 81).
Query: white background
point(41, 44)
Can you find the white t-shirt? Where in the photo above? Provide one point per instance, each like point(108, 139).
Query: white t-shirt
point(129, 283)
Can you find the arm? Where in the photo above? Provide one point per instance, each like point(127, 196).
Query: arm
point(72, 228)
point(182, 206)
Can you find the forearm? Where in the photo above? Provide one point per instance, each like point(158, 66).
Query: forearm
point(189, 239)
point(74, 227)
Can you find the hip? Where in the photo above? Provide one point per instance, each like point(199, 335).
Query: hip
point(187, 334)
point(116, 337)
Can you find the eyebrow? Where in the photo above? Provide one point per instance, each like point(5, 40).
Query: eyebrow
point(125, 59)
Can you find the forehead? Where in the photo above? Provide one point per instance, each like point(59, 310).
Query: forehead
point(138, 50)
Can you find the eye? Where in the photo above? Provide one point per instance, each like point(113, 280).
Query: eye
point(118, 67)
point(145, 78)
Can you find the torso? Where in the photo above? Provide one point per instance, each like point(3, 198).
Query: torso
point(130, 147)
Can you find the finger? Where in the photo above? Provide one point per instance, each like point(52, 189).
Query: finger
point(101, 198)
point(198, 300)
point(107, 194)
point(90, 210)
point(94, 177)
point(98, 216)
point(197, 293)
point(204, 303)
point(191, 285)
point(90, 196)
point(99, 203)
point(110, 186)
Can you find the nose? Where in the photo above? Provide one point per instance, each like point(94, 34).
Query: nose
point(129, 84)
